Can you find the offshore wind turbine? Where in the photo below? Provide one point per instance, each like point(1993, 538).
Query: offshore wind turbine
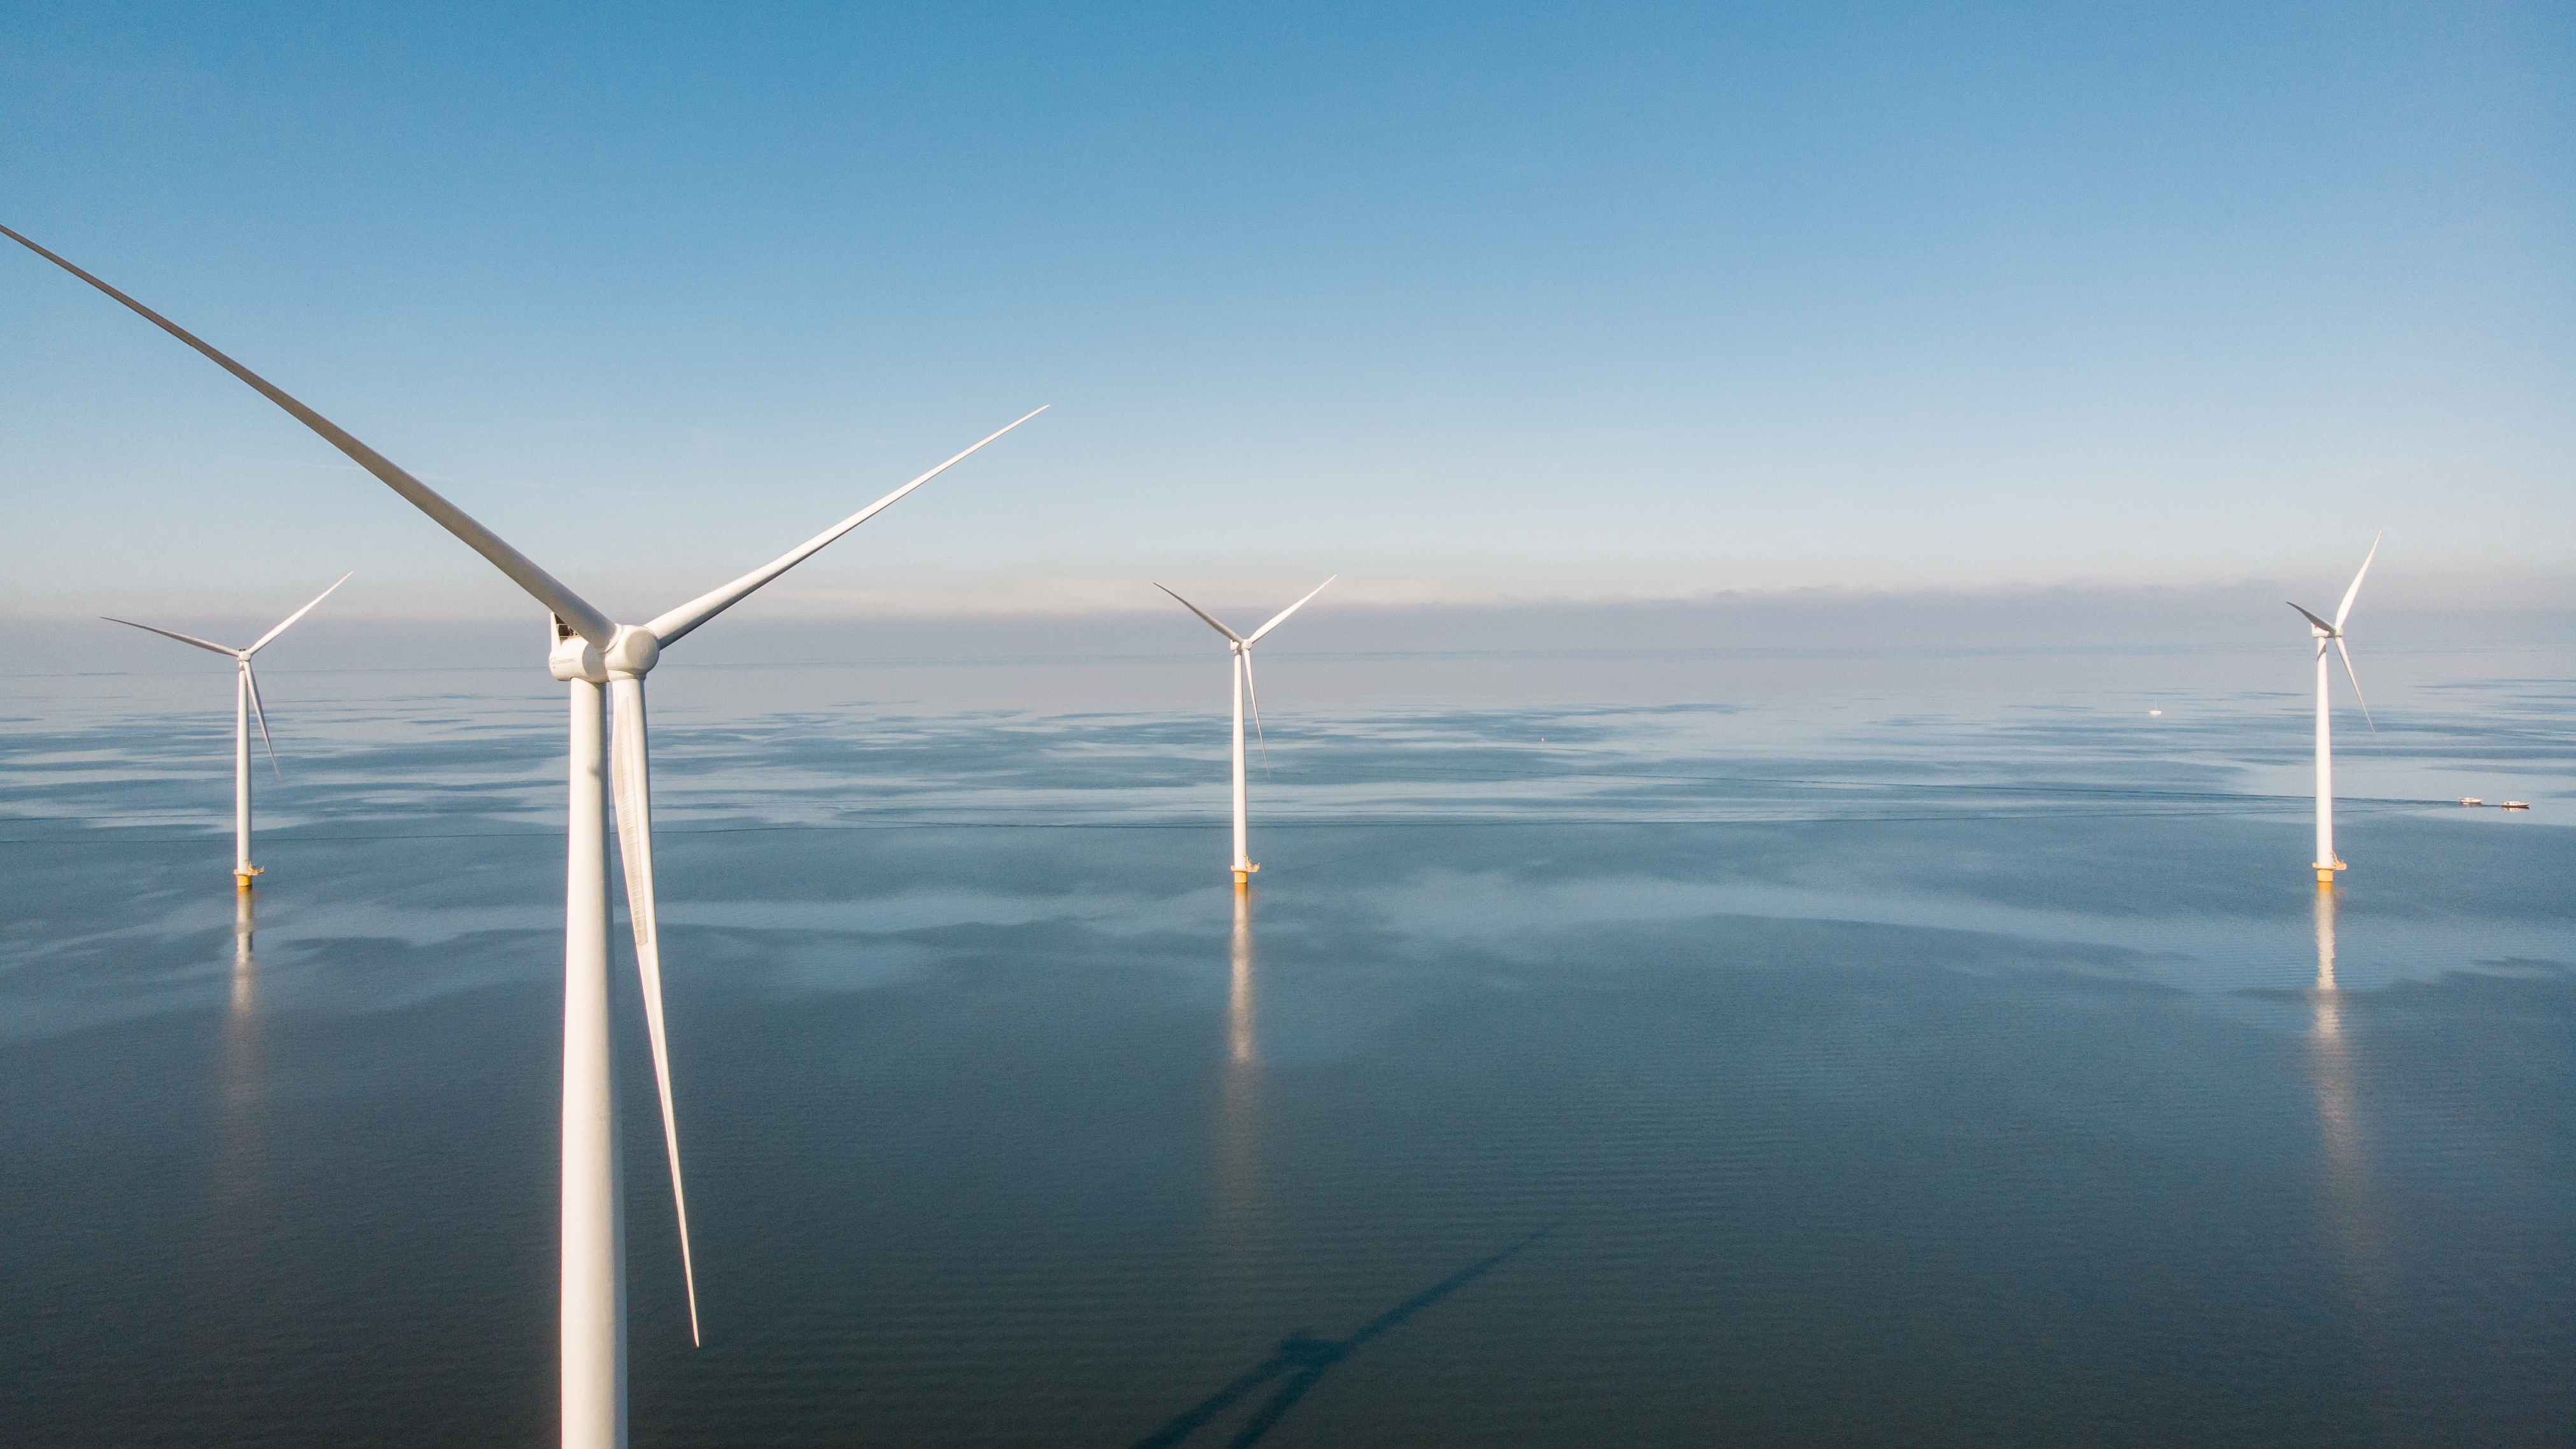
point(245, 705)
point(2327, 862)
point(1241, 648)
point(597, 659)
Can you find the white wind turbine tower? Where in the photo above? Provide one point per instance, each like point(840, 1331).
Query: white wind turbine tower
point(245, 705)
point(2328, 862)
point(597, 658)
point(1242, 651)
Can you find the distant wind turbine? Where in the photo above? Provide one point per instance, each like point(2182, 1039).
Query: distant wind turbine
point(596, 658)
point(2328, 862)
point(1242, 651)
point(245, 705)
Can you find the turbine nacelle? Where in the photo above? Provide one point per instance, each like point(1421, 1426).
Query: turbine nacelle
point(575, 658)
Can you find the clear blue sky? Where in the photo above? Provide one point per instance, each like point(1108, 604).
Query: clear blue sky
point(1458, 300)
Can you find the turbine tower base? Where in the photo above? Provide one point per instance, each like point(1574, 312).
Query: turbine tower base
point(242, 877)
point(2325, 873)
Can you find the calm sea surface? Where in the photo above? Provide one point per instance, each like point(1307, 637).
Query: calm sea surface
point(1937, 1050)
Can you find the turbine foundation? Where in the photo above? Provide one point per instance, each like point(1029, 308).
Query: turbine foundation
point(242, 877)
point(2326, 873)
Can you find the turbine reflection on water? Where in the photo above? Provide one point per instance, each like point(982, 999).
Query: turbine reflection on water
point(2350, 1205)
point(1238, 1012)
point(245, 925)
point(241, 1015)
point(2329, 1014)
point(238, 1169)
point(2332, 1053)
point(1239, 1190)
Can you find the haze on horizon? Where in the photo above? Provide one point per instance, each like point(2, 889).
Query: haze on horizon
point(1466, 304)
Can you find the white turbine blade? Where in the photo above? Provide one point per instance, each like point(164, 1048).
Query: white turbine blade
point(2356, 683)
point(630, 776)
point(2313, 619)
point(2348, 594)
point(1284, 613)
point(586, 621)
point(1204, 614)
point(1256, 711)
point(672, 626)
point(166, 634)
point(298, 614)
point(251, 677)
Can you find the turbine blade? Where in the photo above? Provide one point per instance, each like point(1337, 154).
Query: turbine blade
point(2348, 594)
point(1284, 613)
point(298, 614)
point(251, 676)
point(1204, 614)
point(671, 627)
point(1256, 711)
point(166, 634)
point(586, 621)
point(2313, 619)
point(2356, 683)
point(630, 773)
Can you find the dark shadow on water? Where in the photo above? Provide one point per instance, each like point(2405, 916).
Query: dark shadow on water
point(1305, 1358)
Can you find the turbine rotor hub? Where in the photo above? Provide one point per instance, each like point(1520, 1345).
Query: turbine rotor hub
point(633, 653)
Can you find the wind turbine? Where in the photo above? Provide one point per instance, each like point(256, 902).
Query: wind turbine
point(1242, 651)
point(2327, 861)
point(597, 659)
point(245, 705)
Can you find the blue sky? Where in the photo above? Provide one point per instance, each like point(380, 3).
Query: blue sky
point(1463, 302)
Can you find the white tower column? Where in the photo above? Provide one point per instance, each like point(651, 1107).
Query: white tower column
point(1242, 855)
point(2326, 862)
point(243, 870)
point(594, 1221)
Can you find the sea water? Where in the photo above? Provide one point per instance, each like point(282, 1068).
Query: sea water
point(1613, 1049)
